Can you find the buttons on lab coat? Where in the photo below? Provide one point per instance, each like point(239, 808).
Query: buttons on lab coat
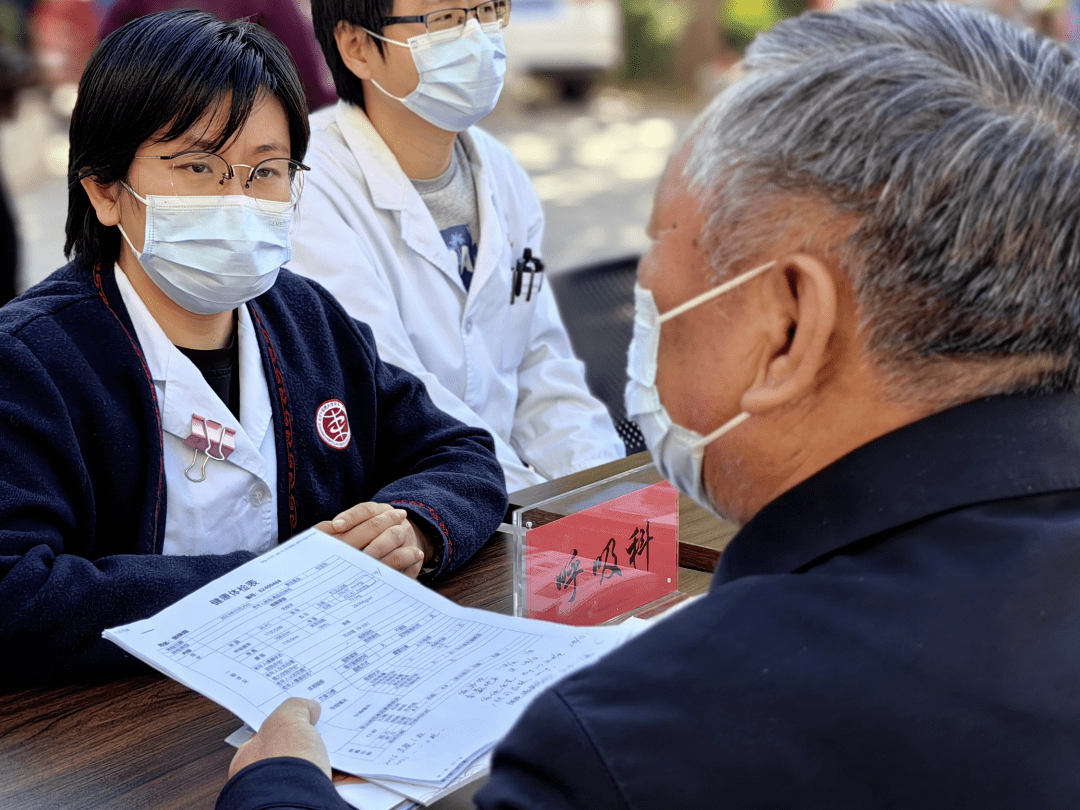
point(468, 326)
point(259, 495)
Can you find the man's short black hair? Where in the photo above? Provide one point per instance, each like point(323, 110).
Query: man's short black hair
point(153, 79)
point(327, 14)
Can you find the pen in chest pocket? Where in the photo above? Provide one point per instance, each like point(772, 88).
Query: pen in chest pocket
point(534, 267)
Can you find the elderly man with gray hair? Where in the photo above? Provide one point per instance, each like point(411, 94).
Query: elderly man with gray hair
point(858, 335)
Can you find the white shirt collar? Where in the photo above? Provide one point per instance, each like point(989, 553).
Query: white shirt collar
point(184, 391)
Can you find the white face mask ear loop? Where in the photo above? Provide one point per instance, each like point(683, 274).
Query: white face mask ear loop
point(724, 428)
point(705, 442)
point(127, 239)
point(382, 89)
point(387, 93)
point(700, 299)
point(120, 227)
point(134, 193)
point(384, 39)
point(715, 291)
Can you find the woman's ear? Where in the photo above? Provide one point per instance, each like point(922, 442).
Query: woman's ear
point(105, 199)
point(354, 46)
point(802, 297)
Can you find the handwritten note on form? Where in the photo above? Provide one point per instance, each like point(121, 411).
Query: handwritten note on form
point(413, 686)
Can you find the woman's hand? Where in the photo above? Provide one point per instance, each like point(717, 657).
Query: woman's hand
point(385, 533)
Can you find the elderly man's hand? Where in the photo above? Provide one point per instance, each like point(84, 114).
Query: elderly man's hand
point(289, 731)
point(385, 533)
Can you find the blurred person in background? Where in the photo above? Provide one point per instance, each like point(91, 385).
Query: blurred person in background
point(16, 74)
point(172, 402)
point(63, 34)
point(426, 228)
point(285, 19)
point(858, 335)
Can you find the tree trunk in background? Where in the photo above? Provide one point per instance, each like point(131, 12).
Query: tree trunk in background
point(702, 45)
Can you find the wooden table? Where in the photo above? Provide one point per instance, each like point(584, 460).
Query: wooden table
point(148, 743)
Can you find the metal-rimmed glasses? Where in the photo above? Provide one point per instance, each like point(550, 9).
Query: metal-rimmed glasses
point(197, 174)
point(495, 12)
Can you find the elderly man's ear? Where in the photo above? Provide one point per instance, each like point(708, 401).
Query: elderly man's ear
point(801, 318)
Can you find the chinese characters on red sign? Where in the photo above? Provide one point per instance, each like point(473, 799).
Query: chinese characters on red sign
point(612, 558)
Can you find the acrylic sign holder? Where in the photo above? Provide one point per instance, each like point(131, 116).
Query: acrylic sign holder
point(599, 553)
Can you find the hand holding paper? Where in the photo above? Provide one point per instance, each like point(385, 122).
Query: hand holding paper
point(289, 731)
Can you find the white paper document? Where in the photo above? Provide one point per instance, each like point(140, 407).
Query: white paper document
point(428, 794)
point(413, 687)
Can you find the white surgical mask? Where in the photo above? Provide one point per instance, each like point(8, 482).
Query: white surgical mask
point(677, 452)
point(461, 76)
point(212, 254)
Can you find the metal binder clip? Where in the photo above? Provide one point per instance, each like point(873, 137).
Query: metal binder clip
point(201, 439)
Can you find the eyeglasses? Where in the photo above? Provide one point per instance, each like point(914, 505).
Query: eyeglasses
point(450, 19)
point(195, 174)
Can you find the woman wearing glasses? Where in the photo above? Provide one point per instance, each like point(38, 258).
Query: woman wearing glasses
point(171, 402)
point(424, 226)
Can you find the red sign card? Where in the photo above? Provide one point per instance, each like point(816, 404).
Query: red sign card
point(606, 560)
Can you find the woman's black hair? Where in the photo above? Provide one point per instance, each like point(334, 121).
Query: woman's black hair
point(153, 79)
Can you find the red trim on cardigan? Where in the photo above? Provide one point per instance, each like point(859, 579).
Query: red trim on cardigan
point(153, 397)
point(283, 395)
point(438, 521)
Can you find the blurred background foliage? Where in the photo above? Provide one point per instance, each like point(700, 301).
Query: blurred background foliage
point(683, 46)
point(670, 42)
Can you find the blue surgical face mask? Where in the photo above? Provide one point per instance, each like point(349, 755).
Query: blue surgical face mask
point(461, 74)
point(212, 254)
point(677, 452)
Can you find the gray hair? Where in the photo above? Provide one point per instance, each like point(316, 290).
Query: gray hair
point(940, 146)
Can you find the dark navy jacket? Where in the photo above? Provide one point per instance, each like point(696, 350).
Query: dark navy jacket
point(902, 630)
point(82, 487)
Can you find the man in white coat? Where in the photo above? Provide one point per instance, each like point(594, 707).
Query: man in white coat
point(425, 228)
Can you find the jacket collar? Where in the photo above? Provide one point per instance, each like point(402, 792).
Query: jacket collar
point(391, 190)
point(386, 181)
point(389, 187)
point(987, 450)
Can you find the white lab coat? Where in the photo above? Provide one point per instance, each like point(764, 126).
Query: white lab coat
point(364, 233)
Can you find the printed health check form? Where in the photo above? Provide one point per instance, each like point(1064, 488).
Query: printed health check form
point(413, 686)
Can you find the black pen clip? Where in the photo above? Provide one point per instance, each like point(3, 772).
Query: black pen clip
point(528, 263)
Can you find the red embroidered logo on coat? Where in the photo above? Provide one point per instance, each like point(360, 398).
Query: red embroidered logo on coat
point(333, 424)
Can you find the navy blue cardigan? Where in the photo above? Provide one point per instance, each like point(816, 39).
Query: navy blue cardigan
point(82, 485)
